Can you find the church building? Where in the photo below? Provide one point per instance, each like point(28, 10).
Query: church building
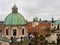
point(14, 24)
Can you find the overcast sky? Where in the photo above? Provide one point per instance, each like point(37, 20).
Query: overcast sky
point(43, 9)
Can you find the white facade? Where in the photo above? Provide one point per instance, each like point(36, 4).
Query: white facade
point(55, 26)
point(52, 38)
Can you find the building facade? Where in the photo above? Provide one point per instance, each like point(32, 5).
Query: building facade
point(16, 26)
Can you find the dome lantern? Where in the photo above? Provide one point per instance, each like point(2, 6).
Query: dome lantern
point(14, 9)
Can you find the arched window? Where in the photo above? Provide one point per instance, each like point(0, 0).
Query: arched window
point(22, 31)
point(14, 32)
point(6, 31)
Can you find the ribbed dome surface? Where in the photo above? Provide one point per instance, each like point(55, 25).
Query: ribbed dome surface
point(14, 19)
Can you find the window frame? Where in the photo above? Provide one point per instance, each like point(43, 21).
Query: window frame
point(7, 32)
point(23, 32)
point(15, 32)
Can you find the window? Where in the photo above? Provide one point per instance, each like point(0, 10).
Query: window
point(14, 32)
point(6, 31)
point(58, 26)
point(52, 24)
point(54, 27)
point(41, 39)
point(22, 31)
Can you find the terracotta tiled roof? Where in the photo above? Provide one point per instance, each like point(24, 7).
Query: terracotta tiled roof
point(38, 27)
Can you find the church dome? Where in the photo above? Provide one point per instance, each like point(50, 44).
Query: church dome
point(15, 18)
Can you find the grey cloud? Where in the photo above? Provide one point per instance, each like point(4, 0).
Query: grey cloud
point(32, 8)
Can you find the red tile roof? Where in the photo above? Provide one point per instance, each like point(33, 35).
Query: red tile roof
point(38, 27)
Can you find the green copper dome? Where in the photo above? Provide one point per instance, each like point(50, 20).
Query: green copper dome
point(14, 18)
point(57, 22)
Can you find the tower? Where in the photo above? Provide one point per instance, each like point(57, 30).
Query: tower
point(52, 20)
point(35, 21)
